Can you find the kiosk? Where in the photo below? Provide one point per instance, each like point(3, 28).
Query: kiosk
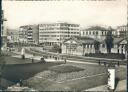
point(111, 77)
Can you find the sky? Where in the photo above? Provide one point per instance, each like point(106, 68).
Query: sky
point(86, 13)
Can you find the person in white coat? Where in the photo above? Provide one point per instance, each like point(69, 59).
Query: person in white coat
point(23, 53)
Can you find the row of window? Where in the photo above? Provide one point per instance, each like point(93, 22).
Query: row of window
point(60, 32)
point(56, 35)
point(94, 33)
point(123, 29)
point(59, 24)
point(58, 29)
point(85, 46)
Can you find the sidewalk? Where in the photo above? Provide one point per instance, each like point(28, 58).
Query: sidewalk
point(16, 59)
point(36, 58)
point(74, 61)
point(121, 86)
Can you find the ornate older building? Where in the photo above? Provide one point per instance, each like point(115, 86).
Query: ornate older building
point(97, 32)
point(78, 45)
point(85, 45)
point(122, 30)
point(119, 46)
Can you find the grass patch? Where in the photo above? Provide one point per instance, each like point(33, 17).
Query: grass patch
point(65, 69)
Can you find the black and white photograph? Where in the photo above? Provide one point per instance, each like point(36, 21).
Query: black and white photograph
point(64, 45)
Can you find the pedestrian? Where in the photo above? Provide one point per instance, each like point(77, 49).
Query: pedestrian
point(32, 60)
point(42, 59)
point(105, 63)
point(118, 63)
point(55, 58)
point(65, 60)
point(99, 62)
point(21, 83)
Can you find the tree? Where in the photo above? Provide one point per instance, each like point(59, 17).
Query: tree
point(97, 46)
point(109, 40)
point(56, 48)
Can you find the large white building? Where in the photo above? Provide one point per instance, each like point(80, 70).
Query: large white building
point(56, 33)
point(96, 32)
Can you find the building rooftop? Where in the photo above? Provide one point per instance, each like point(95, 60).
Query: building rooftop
point(82, 40)
point(116, 40)
point(59, 22)
point(91, 28)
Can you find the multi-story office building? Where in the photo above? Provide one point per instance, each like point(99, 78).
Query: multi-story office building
point(97, 32)
point(29, 34)
point(33, 34)
point(56, 33)
point(3, 31)
point(13, 36)
point(23, 33)
point(122, 30)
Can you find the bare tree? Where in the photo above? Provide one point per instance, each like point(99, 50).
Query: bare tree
point(109, 40)
point(97, 46)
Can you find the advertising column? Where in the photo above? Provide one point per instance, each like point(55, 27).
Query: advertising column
point(111, 78)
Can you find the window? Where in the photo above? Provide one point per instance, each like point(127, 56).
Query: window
point(96, 32)
point(93, 32)
point(103, 45)
point(90, 45)
point(102, 33)
point(90, 32)
point(87, 46)
point(86, 33)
